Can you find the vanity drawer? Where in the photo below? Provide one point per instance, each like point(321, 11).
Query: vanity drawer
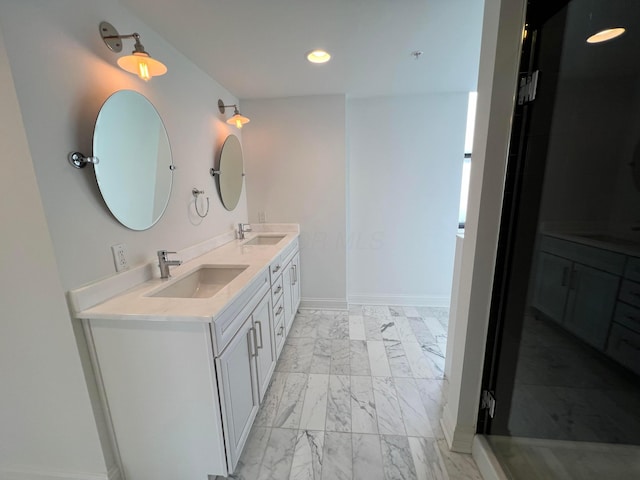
point(278, 263)
point(276, 289)
point(624, 347)
point(632, 270)
point(630, 292)
point(275, 269)
point(278, 311)
point(628, 316)
point(279, 330)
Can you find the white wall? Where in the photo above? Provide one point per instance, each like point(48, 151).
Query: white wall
point(63, 73)
point(295, 161)
point(405, 156)
point(581, 161)
point(46, 422)
point(625, 208)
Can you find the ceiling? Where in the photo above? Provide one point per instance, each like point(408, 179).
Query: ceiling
point(257, 48)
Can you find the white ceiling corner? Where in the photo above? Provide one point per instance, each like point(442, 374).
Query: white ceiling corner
point(257, 48)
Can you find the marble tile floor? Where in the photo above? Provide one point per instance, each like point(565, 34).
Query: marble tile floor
point(541, 459)
point(565, 390)
point(357, 395)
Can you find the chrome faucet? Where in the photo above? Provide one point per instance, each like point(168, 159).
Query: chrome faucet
point(242, 229)
point(164, 263)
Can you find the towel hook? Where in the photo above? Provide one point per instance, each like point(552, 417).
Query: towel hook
point(196, 193)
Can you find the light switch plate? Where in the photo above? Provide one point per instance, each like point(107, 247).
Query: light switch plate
point(120, 257)
point(262, 217)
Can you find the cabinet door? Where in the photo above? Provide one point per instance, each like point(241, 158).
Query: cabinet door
point(296, 283)
point(289, 312)
point(240, 391)
point(265, 343)
point(592, 299)
point(552, 285)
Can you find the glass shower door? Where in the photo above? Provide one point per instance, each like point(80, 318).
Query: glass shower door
point(565, 364)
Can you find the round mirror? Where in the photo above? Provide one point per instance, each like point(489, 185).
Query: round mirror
point(134, 172)
point(230, 172)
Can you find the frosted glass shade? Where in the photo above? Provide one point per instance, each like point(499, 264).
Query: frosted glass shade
point(143, 65)
point(238, 120)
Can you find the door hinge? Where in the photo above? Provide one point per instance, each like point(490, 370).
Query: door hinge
point(528, 88)
point(488, 402)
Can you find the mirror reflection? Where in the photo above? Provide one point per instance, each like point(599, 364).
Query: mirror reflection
point(230, 172)
point(135, 170)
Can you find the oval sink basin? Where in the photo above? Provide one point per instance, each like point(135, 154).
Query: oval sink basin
point(205, 282)
point(265, 240)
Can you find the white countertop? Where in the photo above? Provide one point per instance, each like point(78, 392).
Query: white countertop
point(136, 304)
point(605, 241)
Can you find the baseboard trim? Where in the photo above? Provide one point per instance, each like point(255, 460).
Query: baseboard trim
point(114, 473)
point(401, 300)
point(458, 441)
point(323, 304)
point(486, 460)
point(34, 473)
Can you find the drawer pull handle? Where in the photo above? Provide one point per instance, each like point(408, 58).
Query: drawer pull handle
point(252, 344)
point(281, 330)
point(277, 269)
point(629, 317)
point(260, 325)
point(572, 280)
point(279, 311)
point(278, 289)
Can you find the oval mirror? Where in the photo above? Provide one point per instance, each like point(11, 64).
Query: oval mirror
point(230, 172)
point(135, 170)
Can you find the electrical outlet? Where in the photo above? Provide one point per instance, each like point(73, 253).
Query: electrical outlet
point(262, 217)
point(120, 257)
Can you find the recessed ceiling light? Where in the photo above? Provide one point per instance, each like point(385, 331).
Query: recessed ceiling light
point(605, 35)
point(318, 56)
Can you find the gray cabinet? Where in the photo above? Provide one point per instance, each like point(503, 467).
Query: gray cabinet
point(265, 351)
point(624, 338)
point(289, 312)
point(236, 372)
point(552, 285)
point(244, 369)
point(577, 285)
point(292, 290)
point(590, 304)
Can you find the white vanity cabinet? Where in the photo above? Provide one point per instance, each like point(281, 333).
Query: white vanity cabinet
point(158, 386)
point(181, 379)
point(285, 287)
point(576, 285)
point(264, 344)
point(292, 289)
point(244, 370)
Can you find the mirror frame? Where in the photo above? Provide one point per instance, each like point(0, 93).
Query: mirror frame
point(230, 181)
point(109, 138)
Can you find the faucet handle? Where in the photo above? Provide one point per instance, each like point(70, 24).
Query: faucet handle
point(163, 254)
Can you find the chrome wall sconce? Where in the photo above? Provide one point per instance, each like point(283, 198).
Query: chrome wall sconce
point(139, 62)
point(237, 119)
